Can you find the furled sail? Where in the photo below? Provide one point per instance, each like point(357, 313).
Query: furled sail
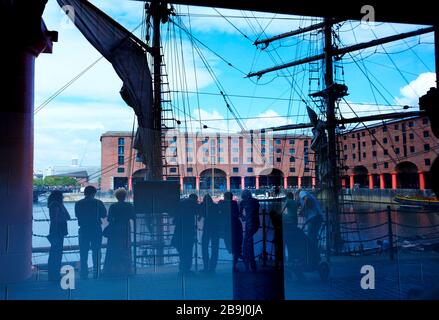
point(127, 55)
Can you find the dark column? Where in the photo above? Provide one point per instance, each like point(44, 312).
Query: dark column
point(16, 130)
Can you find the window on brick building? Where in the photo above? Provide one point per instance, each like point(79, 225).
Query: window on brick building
point(374, 153)
point(120, 160)
point(363, 134)
point(396, 138)
point(345, 147)
point(412, 149)
point(250, 170)
point(278, 159)
point(353, 156)
point(396, 150)
point(396, 127)
point(385, 152)
point(173, 170)
point(384, 140)
point(305, 143)
point(235, 159)
point(121, 141)
point(411, 124)
point(375, 165)
point(353, 146)
point(424, 120)
point(138, 157)
point(278, 141)
point(292, 170)
point(292, 141)
point(364, 143)
point(292, 151)
point(426, 147)
point(190, 170)
point(386, 165)
point(426, 134)
point(411, 136)
point(364, 155)
point(120, 150)
point(120, 170)
point(235, 169)
point(374, 142)
point(427, 162)
point(306, 169)
point(292, 159)
point(384, 128)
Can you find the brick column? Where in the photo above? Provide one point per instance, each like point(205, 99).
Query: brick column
point(197, 183)
point(285, 182)
point(181, 183)
point(242, 183)
point(257, 182)
point(343, 183)
point(370, 181)
point(228, 182)
point(130, 183)
point(382, 181)
point(351, 181)
point(394, 181)
point(421, 180)
point(299, 182)
point(313, 182)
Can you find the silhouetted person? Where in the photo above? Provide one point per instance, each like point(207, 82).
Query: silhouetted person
point(118, 232)
point(58, 230)
point(249, 208)
point(275, 213)
point(232, 227)
point(290, 223)
point(209, 211)
point(311, 210)
point(185, 231)
point(90, 213)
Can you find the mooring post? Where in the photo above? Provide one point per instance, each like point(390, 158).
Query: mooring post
point(389, 224)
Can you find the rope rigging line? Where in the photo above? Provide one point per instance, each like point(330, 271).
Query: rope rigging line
point(79, 75)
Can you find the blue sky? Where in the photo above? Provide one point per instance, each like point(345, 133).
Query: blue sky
point(71, 124)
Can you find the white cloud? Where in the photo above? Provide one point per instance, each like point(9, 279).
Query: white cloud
point(410, 93)
point(216, 121)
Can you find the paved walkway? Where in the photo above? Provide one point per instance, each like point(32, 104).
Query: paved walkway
point(393, 280)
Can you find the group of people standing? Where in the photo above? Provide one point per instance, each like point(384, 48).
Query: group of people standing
point(90, 213)
point(237, 223)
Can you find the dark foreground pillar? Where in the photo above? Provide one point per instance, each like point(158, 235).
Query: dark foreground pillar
point(26, 38)
point(265, 284)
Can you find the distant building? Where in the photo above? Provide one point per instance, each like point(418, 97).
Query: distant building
point(235, 161)
point(396, 154)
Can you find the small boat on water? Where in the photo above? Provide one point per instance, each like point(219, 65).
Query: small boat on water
point(425, 202)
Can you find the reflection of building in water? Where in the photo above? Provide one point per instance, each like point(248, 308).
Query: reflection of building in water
point(396, 154)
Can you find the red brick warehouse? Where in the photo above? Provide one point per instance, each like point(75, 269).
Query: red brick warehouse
point(395, 154)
